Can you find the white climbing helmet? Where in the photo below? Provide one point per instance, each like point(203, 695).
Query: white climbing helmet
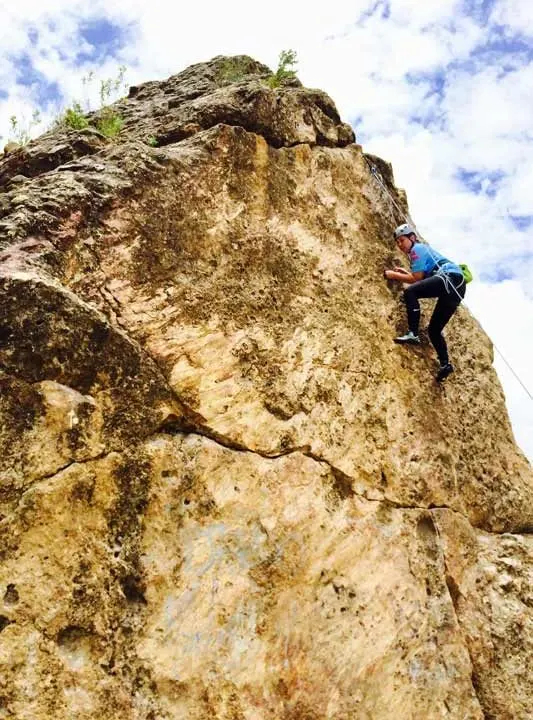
point(404, 229)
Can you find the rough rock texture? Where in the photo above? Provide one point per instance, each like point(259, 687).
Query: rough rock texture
point(224, 493)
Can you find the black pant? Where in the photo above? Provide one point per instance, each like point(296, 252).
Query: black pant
point(450, 292)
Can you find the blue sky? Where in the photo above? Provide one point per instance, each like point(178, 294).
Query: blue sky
point(481, 181)
point(440, 89)
point(480, 11)
point(27, 76)
point(92, 42)
point(103, 38)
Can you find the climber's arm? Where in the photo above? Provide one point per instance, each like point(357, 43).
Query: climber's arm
point(403, 275)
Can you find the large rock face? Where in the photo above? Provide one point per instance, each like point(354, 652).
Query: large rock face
point(224, 492)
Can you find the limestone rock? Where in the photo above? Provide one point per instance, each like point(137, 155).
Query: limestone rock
point(202, 97)
point(10, 147)
point(491, 583)
point(50, 151)
point(224, 492)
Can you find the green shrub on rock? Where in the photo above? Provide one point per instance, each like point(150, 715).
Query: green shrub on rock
point(20, 130)
point(233, 70)
point(286, 69)
point(110, 123)
point(74, 117)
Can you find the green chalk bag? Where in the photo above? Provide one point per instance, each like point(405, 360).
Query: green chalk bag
point(467, 273)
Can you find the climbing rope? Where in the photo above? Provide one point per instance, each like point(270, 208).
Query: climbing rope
point(407, 218)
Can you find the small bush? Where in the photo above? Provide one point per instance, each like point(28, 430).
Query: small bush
point(20, 130)
point(286, 69)
point(152, 141)
point(112, 89)
point(233, 69)
point(74, 117)
point(110, 123)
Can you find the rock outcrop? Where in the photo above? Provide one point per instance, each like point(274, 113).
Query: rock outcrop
point(224, 493)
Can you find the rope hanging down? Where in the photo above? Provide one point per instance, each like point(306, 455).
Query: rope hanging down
point(406, 217)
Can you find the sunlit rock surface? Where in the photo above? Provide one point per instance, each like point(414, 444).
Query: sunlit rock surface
point(224, 492)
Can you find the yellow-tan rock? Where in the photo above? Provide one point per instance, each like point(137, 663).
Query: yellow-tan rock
point(224, 493)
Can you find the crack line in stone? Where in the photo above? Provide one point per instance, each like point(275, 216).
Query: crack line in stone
point(229, 444)
point(191, 423)
point(447, 574)
point(38, 481)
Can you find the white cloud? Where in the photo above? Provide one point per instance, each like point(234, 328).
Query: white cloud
point(506, 314)
point(515, 14)
point(485, 105)
point(425, 81)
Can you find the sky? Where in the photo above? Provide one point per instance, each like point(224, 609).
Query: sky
point(441, 89)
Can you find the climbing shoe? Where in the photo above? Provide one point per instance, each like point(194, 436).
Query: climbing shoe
point(444, 371)
point(408, 339)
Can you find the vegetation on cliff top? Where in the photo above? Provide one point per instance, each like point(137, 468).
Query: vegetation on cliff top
point(107, 120)
point(79, 114)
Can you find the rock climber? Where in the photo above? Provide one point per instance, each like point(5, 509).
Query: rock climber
point(431, 275)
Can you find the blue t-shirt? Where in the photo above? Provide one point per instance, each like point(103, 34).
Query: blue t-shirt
point(424, 259)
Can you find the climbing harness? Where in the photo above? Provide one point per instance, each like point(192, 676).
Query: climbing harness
point(444, 275)
point(467, 275)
